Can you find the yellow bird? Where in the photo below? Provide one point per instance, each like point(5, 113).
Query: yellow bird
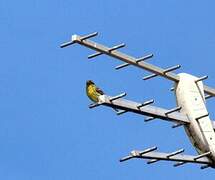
point(92, 91)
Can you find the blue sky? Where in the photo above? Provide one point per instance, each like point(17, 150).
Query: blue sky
point(47, 131)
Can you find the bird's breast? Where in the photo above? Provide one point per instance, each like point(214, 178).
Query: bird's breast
point(92, 94)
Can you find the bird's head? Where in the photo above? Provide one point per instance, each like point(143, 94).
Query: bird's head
point(89, 82)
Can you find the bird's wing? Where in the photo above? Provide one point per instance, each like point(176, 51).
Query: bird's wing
point(99, 91)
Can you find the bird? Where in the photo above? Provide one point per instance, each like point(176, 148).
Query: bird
point(93, 92)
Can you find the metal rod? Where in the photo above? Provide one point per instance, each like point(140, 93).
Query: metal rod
point(67, 44)
point(202, 116)
point(208, 96)
point(150, 76)
point(111, 49)
point(177, 125)
point(144, 58)
point(94, 105)
point(89, 36)
point(202, 155)
point(149, 119)
point(152, 161)
point(121, 66)
point(164, 72)
point(117, 97)
point(148, 150)
point(125, 158)
point(171, 69)
point(121, 112)
point(145, 103)
point(173, 110)
point(116, 47)
point(175, 153)
point(172, 89)
point(137, 61)
point(94, 55)
point(179, 164)
point(201, 78)
point(81, 38)
point(205, 166)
